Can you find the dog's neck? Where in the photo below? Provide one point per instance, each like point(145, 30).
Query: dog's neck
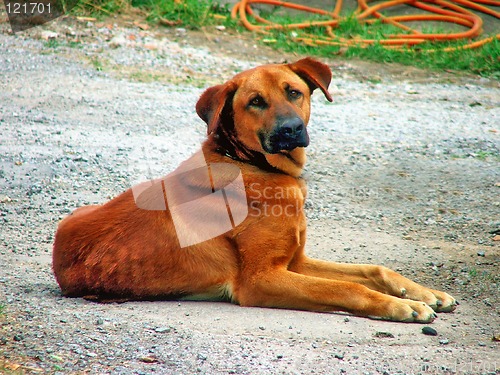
point(290, 162)
point(287, 162)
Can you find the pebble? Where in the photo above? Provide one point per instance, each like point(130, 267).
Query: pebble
point(5, 199)
point(162, 330)
point(444, 341)
point(47, 35)
point(384, 335)
point(148, 359)
point(429, 331)
point(118, 41)
point(202, 356)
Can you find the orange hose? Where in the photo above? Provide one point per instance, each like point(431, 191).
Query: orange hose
point(448, 11)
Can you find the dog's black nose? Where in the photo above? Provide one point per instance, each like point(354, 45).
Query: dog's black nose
point(292, 128)
point(290, 133)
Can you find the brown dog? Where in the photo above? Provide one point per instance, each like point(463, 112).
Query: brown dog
point(147, 243)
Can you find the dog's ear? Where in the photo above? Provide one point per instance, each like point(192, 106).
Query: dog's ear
point(212, 102)
point(315, 73)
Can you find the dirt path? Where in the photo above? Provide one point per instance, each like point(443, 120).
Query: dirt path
point(404, 170)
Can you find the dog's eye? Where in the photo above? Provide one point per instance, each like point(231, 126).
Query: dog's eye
point(294, 94)
point(258, 102)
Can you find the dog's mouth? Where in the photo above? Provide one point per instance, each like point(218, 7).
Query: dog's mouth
point(287, 136)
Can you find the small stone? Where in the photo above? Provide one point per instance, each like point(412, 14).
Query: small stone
point(56, 358)
point(151, 46)
point(262, 328)
point(384, 335)
point(148, 359)
point(5, 199)
point(48, 35)
point(118, 41)
point(162, 330)
point(220, 27)
point(18, 337)
point(279, 356)
point(347, 320)
point(339, 355)
point(481, 253)
point(429, 331)
point(202, 356)
point(444, 341)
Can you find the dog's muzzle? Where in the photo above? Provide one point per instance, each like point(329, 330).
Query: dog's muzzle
point(288, 135)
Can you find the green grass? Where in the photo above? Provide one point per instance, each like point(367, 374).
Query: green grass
point(189, 13)
point(97, 64)
point(193, 14)
point(2, 309)
point(56, 43)
point(480, 155)
point(52, 43)
point(484, 155)
point(98, 8)
point(186, 13)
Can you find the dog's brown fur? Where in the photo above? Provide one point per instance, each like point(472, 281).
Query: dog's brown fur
point(118, 251)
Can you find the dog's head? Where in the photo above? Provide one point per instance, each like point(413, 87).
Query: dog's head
point(265, 109)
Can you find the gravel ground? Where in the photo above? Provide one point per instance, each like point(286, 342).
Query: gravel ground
point(404, 170)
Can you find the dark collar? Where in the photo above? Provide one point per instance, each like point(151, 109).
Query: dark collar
point(254, 158)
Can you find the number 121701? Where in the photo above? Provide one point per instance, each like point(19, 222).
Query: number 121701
point(28, 8)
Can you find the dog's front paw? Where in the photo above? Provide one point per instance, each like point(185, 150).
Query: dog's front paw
point(401, 310)
point(444, 302)
point(439, 301)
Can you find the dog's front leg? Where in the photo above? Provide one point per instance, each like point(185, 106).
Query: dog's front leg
point(379, 278)
point(281, 288)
